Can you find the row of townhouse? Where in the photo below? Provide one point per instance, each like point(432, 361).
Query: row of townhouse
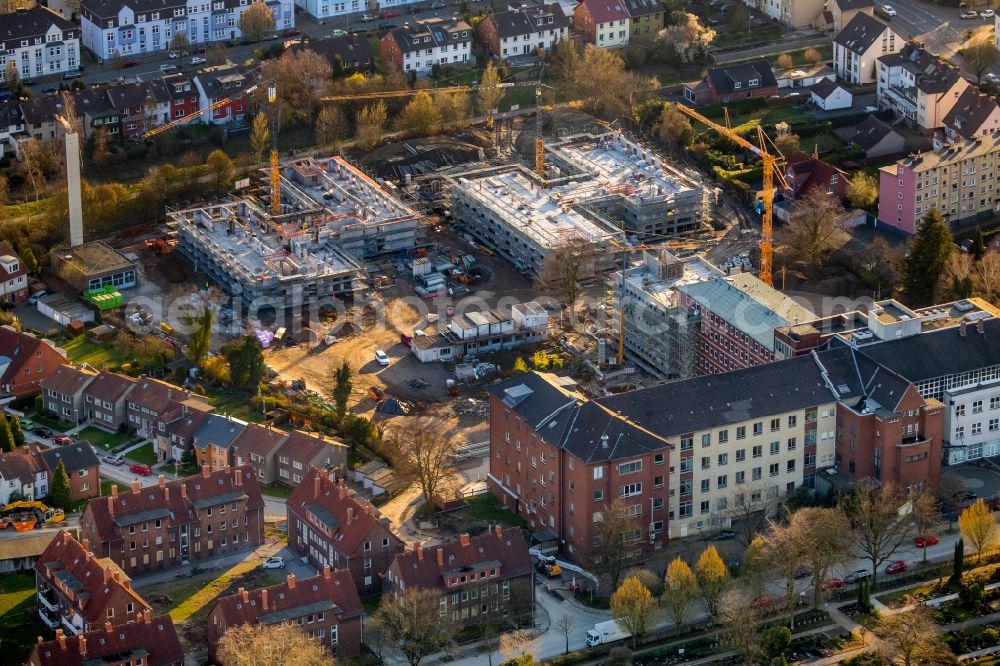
point(26, 359)
point(27, 472)
point(149, 641)
point(179, 421)
point(427, 42)
point(524, 32)
point(38, 42)
point(824, 14)
point(113, 28)
point(617, 23)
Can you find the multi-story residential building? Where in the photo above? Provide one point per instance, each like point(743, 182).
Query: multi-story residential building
point(660, 335)
point(859, 44)
point(736, 319)
point(79, 592)
point(130, 27)
point(256, 446)
point(149, 641)
point(523, 33)
point(82, 465)
point(805, 173)
point(645, 20)
point(183, 95)
point(96, 111)
point(175, 431)
point(843, 11)
point(972, 422)
point(426, 43)
point(139, 107)
point(62, 393)
point(919, 86)
point(169, 524)
point(225, 86)
point(330, 526)
point(723, 84)
point(958, 179)
point(13, 276)
point(351, 53)
point(152, 398)
point(605, 24)
point(23, 473)
point(326, 607)
point(212, 437)
point(29, 360)
point(301, 452)
point(38, 42)
point(793, 13)
point(974, 114)
point(104, 399)
point(480, 579)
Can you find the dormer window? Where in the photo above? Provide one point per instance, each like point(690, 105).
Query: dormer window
point(541, 21)
point(737, 85)
point(754, 82)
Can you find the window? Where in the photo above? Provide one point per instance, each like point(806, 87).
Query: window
point(755, 474)
point(723, 436)
point(706, 462)
point(657, 481)
point(598, 495)
point(791, 444)
point(775, 425)
point(994, 425)
point(959, 432)
point(684, 509)
point(774, 469)
point(995, 402)
point(658, 459)
point(630, 490)
point(723, 459)
point(741, 432)
point(977, 407)
point(758, 429)
point(791, 466)
point(630, 467)
point(687, 443)
point(977, 428)
point(758, 451)
point(741, 455)
point(792, 420)
point(775, 448)
point(706, 439)
point(686, 487)
point(598, 472)
point(705, 485)
point(740, 477)
point(722, 481)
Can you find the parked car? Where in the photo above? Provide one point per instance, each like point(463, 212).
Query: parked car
point(437, 4)
point(41, 431)
point(724, 535)
point(140, 469)
point(899, 566)
point(292, 32)
point(168, 68)
point(382, 358)
point(62, 440)
point(274, 563)
point(387, 14)
point(33, 299)
point(888, 10)
point(385, 26)
point(69, 76)
point(763, 601)
point(27, 425)
point(992, 78)
point(969, 14)
point(986, 13)
point(173, 55)
point(858, 576)
point(926, 540)
point(197, 60)
point(832, 584)
point(50, 90)
point(114, 460)
point(367, 17)
point(802, 572)
point(130, 63)
point(338, 33)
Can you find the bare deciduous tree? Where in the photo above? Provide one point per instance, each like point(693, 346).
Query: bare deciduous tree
point(565, 625)
point(750, 511)
point(413, 623)
point(815, 229)
point(421, 450)
point(564, 267)
point(914, 637)
point(825, 535)
point(981, 56)
point(266, 645)
point(741, 629)
point(882, 518)
point(986, 276)
point(616, 532)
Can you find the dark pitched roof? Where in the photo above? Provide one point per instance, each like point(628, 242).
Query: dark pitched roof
point(349, 47)
point(939, 353)
point(544, 406)
point(500, 548)
point(597, 433)
point(31, 23)
point(845, 5)
point(808, 172)
point(130, 96)
point(305, 447)
point(525, 21)
point(157, 395)
point(970, 112)
point(23, 463)
point(94, 102)
point(862, 31)
point(74, 457)
point(66, 564)
point(349, 519)
point(603, 11)
point(439, 32)
point(933, 75)
point(859, 382)
point(217, 430)
point(153, 639)
point(687, 406)
point(67, 379)
point(639, 8)
point(174, 85)
point(868, 133)
point(824, 88)
point(257, 440)
point(109, 386)
point(41, 109)
point(724, 79)
point(330, 591)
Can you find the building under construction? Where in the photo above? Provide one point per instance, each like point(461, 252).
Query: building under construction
point(598, 189)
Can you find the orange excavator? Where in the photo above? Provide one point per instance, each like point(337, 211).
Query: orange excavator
point(25, 516)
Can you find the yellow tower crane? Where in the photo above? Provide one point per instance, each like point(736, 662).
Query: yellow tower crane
point(272, 96)
point(771, 172)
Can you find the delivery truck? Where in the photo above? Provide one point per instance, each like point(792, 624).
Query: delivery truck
point(606, 632)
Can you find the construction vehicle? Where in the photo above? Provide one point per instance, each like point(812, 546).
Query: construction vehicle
point(549, 567)
point(27, 515)
point(376, 394)
point(159, 245)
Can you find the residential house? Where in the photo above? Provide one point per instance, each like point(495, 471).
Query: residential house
point(803, 76)
point(25, 361)
point(793, 13)
point(183, 95)
point(174, 431)
point(96, 111)
point(300, 452)
point(959, 180)
point(38, 42)
point(919, 86)
point(428, 42)
point(330, 526)
point(725, 84)
point(352, 53)
point(830, 96)
point(225, 86)
point(974, 114)
point(13, 276)
point(256, 446)
point(875, 137)
point(972, 422)
point(63, 393)
point(522, 33)
point(481, 579)
point(859, 44)
point(212, 437)
point(152, 398)
point(11, 125)
point(23, 475)
point(104, 399)
point(138, 107)
point(78, 592)
point(645, 20)
point(805, 173)
point(39, 116)
point(844, 11)
point(82, 465)
point(149, 641)
point(326, 607)
point(187, 520)
point(604, 23)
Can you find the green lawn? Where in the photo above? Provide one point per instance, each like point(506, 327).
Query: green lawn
point(109, 441)
point(235, 403)
point(143, 454)
point(18, 629)
point(106, 486)
point(488, 507)
point(49, 422)
point(98, 354)
point(275, 490)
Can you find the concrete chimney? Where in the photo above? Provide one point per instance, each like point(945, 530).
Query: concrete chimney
point(136, 486)
point(263, 598)
point(316, 482)
point(114, 490)
point(166, 493)
point(961, 328)
point(206, 471)
point(498, 530)
point(326, 571)
point(111, 505)
point(238, 477)
point(291, 581)
point(420, 550)
point(73, 188)
point(350, 514)
point(108, 628)
point(340, 488)
point(440, 556)
point(464, 539)
point(244, 595)
point(161, 481)
point(184, 490)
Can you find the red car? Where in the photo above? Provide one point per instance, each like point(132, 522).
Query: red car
point(832, 584)
point(899, 566)
point(130, 63)
point(292, 32)
point(926, 540)
point(140, 469)
point(387, 14)
point(62, 440)
point(763, 601)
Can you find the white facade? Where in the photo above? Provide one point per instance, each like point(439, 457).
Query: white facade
point(323, 9)
point(42, 55)
point(972, 423)
point(858, 68)
point(37, 489)
point(12, 278)
point(422, 60)
point(613, 33)
point(527, 44)
point(838, 99)
point(898, 89)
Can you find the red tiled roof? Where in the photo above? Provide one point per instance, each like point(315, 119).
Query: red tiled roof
point(170, 496)
point(154, 640)
point(258, 440)
point(19, 348)
point(305, 447)
point(22, 463)
point(67, 380)
point(157, 395)
point(177, 422)
point(809, 172)
point(423, 567)
point(349, 519)
point(109, 386)
point(603, 11)
point(66, 562)
point(278, 603)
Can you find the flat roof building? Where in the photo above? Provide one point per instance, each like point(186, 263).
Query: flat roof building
point(94, 265)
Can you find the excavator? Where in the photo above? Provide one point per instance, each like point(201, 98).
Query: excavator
point(25, 516)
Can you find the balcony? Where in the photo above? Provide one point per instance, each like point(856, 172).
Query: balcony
point(74, 626)
point(48, 618)
point(47, 598)
point(902, 100)
point(915, 440)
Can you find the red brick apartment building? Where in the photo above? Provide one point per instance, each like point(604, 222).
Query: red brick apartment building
point(186, 520)
point(78, 592)
point(326, 607)
point(480, 579)
point(31, 361)
point(83, 468)
point(332, 527)
point(149, 641)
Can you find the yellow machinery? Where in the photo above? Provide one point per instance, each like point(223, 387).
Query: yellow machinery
point(27, 515)
point(549, 567)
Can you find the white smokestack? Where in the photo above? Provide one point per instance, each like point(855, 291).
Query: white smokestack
point(73, 189)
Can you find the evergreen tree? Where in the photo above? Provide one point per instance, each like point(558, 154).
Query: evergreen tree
point(246, 363)
point(978, 248)
point(16, 431)
point(929, 251)
point(201, 339)
point(342, 388)
point(7, 442)
point(959, 562)
point(59, 492)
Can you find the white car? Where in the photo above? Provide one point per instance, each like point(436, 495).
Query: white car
point(114, 460)
point(173, 55)
point(986, 13)
point(274, 563)
point(858, 576)
point(888, 10)
point(197, 60)
point(992, 78)
point(33, 299)
point(381, 357)
point(338, 33)
point(367, 17)
point(168, 68)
